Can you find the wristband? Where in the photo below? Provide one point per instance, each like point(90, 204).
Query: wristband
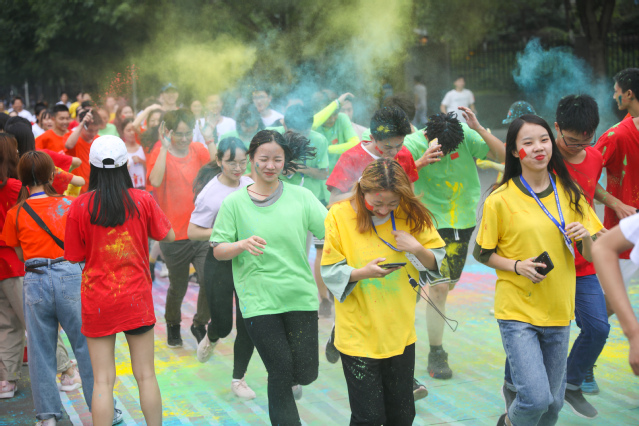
point(516, 261)
point(338, 104)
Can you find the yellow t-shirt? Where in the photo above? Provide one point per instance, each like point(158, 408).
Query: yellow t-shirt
point(377, 319)
point(517, 227)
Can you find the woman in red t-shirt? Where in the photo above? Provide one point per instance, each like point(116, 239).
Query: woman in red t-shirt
point(108, 227)
point(11, 273)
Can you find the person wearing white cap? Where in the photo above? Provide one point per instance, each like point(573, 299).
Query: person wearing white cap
point(108, 228)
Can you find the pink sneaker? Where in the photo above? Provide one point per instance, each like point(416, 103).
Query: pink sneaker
point(71, 382)
point(8, 389)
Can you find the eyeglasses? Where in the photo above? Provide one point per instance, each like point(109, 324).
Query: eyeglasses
point(235, 164)
point(593, 140)
point(185, 135)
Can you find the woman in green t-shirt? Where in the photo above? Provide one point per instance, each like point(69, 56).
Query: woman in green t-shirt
point(263, 229)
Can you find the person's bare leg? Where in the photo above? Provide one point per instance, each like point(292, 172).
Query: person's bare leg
point(101, 350)
point(438, 294)
point(143, 364)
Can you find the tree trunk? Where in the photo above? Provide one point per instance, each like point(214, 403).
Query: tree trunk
point(596, 31)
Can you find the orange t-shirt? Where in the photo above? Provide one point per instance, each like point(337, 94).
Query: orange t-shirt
point(175, 193)
point(33, 240)
point(81, 150)
point(49, 140)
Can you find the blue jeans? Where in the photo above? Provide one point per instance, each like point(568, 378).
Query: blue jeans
point(537, 358)
point(52, 297)
point(592, 319)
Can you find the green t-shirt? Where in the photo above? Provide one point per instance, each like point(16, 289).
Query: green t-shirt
point(109, 130)
point(320, 161)
point(340, 133)
point(279, 280)
point(450, 188)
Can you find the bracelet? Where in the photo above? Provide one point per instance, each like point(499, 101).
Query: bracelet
point(516, 261)
point(338, 104)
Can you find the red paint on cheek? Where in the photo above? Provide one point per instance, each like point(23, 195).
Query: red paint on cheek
point(522, 154)
point(379, 150)
point(368, 206)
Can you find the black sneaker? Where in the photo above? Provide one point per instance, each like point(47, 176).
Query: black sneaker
point(419, 390)
point(576, 401)
point(502, 420)
point(325, 308)
point(508, 395)
point(173, 340)
point(438, 365)
point(332, 354)
point(199, 332)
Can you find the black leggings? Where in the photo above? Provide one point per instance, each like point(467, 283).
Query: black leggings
point(287, 344)
point(219, 288)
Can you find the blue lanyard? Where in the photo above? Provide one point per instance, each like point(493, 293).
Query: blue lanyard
point(562, 226)
point(36, 194)
point(383, 240)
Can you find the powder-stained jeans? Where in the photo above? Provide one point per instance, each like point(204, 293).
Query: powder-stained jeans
point(288, 346)
point(537, 357)
point(380, 391)
point(11, 329)
point(178, 257)
point(53, 297)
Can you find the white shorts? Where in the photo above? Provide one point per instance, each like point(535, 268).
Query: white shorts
point(629, 272)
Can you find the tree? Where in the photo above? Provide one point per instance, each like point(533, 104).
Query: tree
point(596, 29)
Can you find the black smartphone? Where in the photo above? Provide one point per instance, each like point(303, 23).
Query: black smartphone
point(545, 259)
point(391, 265)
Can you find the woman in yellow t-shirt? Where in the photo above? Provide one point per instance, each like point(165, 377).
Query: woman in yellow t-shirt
point(383, 222)
point(536, 208)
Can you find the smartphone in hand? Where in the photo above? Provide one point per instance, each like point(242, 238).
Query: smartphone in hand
point(545, 259)
point(391, 265)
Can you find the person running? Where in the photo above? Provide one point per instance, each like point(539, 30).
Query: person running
point(349, 109)
point(444, 154)
point(171, 170)
point(35, 227)
point(78, 143)
point(225, 176)
point(12, 324)
point(528, 224)
point(458, 97)
point(605, 252)
point(263, 228)
point(262, 100)
point(135, 152)
point(375, 319)
point(53, 139)
point(108, 228)
point(213, 124)
point(169, 96)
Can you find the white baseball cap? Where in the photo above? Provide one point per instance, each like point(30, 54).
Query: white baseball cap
point(108, 148)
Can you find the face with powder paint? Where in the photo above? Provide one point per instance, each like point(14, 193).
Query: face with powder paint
point(233, 168)
point(381, 203)
point(534, 147)
point(622, 99)
point(269, 162)
point(388, 147)
point(181, 138)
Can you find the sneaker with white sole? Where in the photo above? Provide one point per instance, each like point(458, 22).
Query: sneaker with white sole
point(48, 422)
point(297, 392)
point(205, 349)
point(419, 390)
point(242, 390)
point(117, 417)
point(70, 382)
point(8, 389)
point(578, 404)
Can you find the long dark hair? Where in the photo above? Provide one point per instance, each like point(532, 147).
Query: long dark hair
point(294, 156)
point(556, 164)
point(21, 129)
point(112, 203)
point(8, 158)
point(212, 169)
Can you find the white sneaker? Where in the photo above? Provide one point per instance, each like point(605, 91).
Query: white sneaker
point(205, 349)
point(48, 422)
point(69, 383)
point(297, 392)
point(242, 390)
point(164, 271)
point(8, 389)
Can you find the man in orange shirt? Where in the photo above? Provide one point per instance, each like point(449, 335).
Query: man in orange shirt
point(78, 143)
point(53, 139)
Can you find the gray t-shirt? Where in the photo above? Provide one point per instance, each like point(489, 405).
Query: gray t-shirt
point(209, 201)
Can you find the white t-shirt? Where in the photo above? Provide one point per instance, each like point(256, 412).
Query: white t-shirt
point(454, 99)
point(225, 125)
point(26, 114)
point(630, 229)
point(209, 201)
point(271, 118)
point(37, 130)
point(137, 171)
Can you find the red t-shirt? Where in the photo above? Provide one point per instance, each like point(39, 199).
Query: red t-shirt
point(586, 174)
point(62, 161)
point(620, 149)
point(73, 124)
point(51, 141)
point(10, 265)
point(116, 282)
point(81, 150)
point(352, 163)
point(175, 193)
point(61, 180)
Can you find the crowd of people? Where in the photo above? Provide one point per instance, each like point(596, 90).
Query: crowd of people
point(93, 195)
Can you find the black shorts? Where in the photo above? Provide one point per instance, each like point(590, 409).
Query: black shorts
point(139, 330)
point(457, 241)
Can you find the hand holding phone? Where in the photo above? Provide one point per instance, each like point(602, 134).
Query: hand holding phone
point(545, 259)
point(391, 265)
